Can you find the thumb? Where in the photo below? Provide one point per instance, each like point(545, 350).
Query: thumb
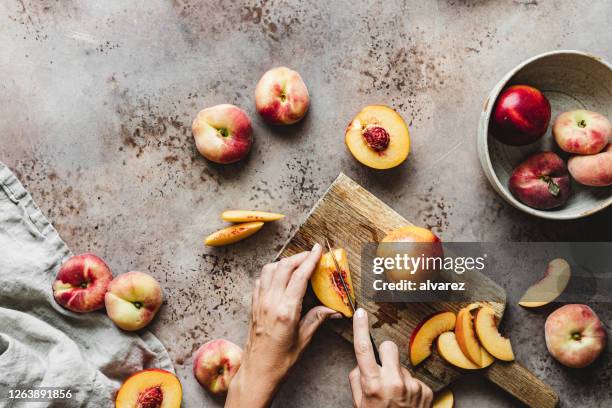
point(312, 321)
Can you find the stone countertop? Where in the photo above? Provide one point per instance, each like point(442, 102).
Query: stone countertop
point(98, 102)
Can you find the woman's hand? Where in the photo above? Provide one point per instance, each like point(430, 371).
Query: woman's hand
point(388, 386)
point(278, 335)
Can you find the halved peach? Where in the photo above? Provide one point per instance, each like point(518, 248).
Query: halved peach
point(426, 332)
point(233, 234)
point(550, 286)
point(444, 399)
point(485, 324)
point(449, 349)
point(378, 137)
point(152, 388)
point(249, 216)
point(466, 337)
point(327, 285)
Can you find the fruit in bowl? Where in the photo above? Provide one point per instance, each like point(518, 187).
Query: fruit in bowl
point(574, 335)
point(281, 96)
point(81, 283)
point(542, 181)
point(223, 133)
point(593, 170)
point(215, 364)
point(326, 283)
point(133, 300)
point(582, 131)
point(378, 137)
point(154, 388)
point(520, 116)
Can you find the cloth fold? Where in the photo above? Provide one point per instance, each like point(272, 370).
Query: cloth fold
point(43, 344)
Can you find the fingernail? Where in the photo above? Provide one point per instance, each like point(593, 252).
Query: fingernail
point(316, 247)
point(360, 313)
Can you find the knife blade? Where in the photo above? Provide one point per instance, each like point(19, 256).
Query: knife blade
point(348, 295)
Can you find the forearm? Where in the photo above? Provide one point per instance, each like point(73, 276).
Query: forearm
point(252, 389)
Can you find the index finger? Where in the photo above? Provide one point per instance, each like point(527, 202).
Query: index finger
point(363, 345)
point(300, 277)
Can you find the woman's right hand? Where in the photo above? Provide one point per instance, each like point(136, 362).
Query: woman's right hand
point(386, 386)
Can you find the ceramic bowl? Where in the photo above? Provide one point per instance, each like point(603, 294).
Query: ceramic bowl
point(570, 80)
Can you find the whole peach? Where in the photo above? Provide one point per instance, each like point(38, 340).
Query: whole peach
point(574, 335)
point(132, 300)
point(594, 170)
point(281, 96)
point(582, 131)
point(223, 133)
point(215, 363)
point(541, 181)
point(81, 283)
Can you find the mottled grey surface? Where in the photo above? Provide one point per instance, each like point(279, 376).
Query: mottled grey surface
point(97, 101)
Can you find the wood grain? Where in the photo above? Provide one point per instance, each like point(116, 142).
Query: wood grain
point(350, 217)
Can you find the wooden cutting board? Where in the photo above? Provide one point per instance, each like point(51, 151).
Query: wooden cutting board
point(350, 216)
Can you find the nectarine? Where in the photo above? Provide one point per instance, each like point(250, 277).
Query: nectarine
point(466, 337)
point(449, 350)
point(582, 131)
point(398, 243)
point(215, 363)
point(81, 283)
point(445, 399)
point(327, 285)
point(550, 286)
point(281, 96)
point(593, 170)
point(378, 137)
point(133, 300)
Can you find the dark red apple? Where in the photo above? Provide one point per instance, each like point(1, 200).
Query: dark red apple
point(520, 116)
point(542, 181)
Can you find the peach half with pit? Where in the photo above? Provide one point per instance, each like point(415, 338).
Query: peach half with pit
point(426, 332)
point(378, 137)
point(485, 324)
point(152, 388)
point(327, 285)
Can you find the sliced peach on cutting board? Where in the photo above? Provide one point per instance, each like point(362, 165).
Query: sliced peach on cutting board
point(449, 349)
point(426, 332)
point(550, 286)
point(444, 399)
point(378, 137)
point(466, 337)
point(249, 216)
point(153, 388)
point(233, 234)
point(327, 285)
point(485, 324)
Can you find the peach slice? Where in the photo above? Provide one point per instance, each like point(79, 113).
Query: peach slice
point(250, 216)
point(233, 234)
point(550, 286)
point(153, 388)
point(450, 351)
point(445, 399)
point(378, 137)
point(327, 285)
point(426, 332)
point(466, 337)
point(485, 324)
